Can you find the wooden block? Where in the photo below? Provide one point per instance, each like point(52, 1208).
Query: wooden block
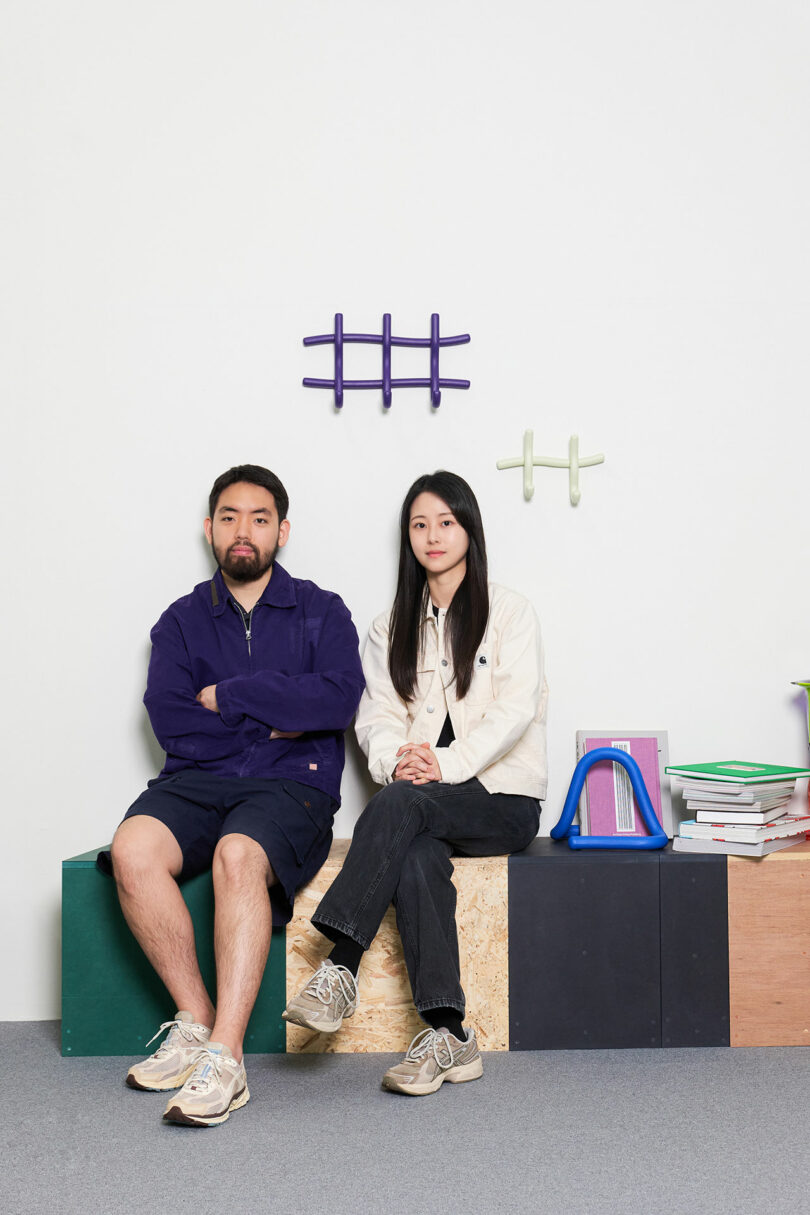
point(386, 1019)
point(483, 940)
point(769, 948)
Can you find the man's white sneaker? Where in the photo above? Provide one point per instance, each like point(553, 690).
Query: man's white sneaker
point(329, 997)
point(216, 1087)
point(175, 1058)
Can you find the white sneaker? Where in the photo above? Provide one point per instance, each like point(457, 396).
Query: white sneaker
point(175, 1058)
point(434, 1056)
point(217, 1086)
point(329, 997)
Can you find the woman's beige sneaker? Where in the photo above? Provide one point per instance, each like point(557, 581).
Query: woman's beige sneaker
point(434, 1056)
point(328, 998)
point(216, 1087)
point(174, 1060)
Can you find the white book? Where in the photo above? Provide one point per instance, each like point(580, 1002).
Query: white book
point(787, 825)
point(708, 803)
point(752, 817)
point(683, 843)
point(735, 793)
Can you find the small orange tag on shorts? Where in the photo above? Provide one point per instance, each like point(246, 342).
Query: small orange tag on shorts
point(313, 767)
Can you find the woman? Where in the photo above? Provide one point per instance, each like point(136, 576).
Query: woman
point(452, 722)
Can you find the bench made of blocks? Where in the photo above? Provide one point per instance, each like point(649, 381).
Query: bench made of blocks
point(558, 949)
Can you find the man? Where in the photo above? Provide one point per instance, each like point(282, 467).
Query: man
point(253, 678)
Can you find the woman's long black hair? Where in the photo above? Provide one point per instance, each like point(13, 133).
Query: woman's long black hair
point(467, 615)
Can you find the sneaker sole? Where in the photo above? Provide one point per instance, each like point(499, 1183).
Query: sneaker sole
point(163, 1087)
point(318, 1027)
point(181, 1118)
point(456, 1075)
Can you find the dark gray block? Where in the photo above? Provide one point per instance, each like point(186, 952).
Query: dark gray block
point(694, 949)
point(584, 948)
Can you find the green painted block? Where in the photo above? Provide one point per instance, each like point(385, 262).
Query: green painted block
point(112, 1000)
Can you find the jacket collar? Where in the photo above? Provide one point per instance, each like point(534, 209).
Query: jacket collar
point(429, 613)
point(279, 592)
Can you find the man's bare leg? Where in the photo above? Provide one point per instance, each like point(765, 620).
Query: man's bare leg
point(146, 861)
point(242, 934)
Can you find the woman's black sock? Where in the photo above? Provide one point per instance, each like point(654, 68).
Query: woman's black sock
point(445, 1018)
point(346, 952)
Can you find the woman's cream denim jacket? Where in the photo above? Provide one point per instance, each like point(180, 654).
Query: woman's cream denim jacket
point(499, 726)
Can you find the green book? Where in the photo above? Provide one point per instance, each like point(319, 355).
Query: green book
point(736, 772)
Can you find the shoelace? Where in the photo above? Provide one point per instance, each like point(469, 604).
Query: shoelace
point(430, 1042)
point(326, 978)
point(184, 1031)
point(207, 1070)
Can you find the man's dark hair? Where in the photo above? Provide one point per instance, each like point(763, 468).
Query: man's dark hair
point(254, 474)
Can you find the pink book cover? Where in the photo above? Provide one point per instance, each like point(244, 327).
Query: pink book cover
point(612, 806)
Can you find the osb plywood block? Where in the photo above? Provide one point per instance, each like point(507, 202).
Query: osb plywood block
point(769, 948)
point(386, 1019)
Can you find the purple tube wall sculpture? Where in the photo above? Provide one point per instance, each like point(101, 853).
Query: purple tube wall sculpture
point(385, 339)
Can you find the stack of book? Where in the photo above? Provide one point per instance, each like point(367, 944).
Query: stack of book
point(739, 808)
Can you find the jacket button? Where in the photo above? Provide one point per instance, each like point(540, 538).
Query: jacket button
point(431, 708)
point(444, 662)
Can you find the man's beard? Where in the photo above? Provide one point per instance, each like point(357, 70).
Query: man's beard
point(245, 569)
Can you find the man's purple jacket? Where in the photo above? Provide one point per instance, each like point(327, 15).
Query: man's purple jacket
point(300, 670)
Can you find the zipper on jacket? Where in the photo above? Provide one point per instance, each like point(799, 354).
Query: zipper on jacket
point(247, 621)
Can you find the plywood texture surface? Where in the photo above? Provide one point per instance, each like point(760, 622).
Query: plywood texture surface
point(386, 1019)
point(769, 948)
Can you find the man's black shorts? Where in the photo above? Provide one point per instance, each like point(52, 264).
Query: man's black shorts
point(292, 822)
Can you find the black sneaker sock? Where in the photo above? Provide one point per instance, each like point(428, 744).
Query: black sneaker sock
point(346, 953)
point(445, 1018)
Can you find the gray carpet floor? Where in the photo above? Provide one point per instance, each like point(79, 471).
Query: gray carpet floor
point(703, 1132)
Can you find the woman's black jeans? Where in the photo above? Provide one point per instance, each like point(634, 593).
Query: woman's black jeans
point(400, 853)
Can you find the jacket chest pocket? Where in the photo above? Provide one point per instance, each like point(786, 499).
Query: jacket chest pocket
point(481, 684)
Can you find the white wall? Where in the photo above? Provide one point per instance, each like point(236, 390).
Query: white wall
point(611, 198)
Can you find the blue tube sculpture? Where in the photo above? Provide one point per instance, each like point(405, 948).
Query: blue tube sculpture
point(565, 827)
